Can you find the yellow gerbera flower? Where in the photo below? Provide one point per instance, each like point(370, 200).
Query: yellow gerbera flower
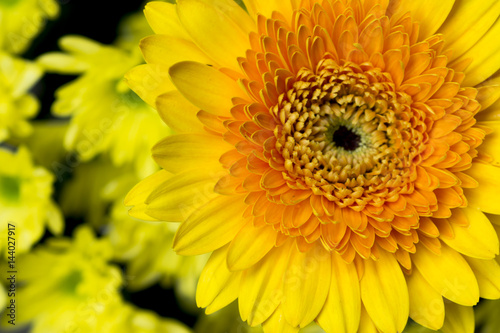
point(17, 76)
point(22, 20)
point(106, 115)
point(68, 284)
point(337, 156)
point(25, 199)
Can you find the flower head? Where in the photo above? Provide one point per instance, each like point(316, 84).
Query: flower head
point(22, 20)
point(25, 199)
point(68, 284)
point(106, 114)
point(17, 105)
point(330, 154)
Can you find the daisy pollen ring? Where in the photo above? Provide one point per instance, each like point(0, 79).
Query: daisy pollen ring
point(346, 153)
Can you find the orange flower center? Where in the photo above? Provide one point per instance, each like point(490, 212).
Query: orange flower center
point(357, 133)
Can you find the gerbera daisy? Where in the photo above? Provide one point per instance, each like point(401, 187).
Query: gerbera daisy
point(25, 199)
point(337, 156)
point(17, 105)
point(22, 20)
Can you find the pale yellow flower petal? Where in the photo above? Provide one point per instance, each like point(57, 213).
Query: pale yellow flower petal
point(467, 23)
point(487, 275)
point(342, 309)
point(220, 28)
point(420, 12)
point(250, 245)
point(163, 19)
point(175, 201)
point(426, 304)
point(221, 216)
point(167, 50)
point(486, 57)
point(178, 113)
point(486, 195)
point(477, 240)
point(180, 152)
point(261, 289)
point(306, 283)
point(454, 279)
point(459, 319)
point(385, 294)
point(149, 81)
point(205, 87)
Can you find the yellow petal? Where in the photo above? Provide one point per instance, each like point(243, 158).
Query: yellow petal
point(342, 309)
point(61, 63)
point(485, 56)
point(467, 23)
point(227, 295)
point(219, 27)
point(149, 81)
point(488, 95)
point(205, 87)
point(139, 193)
point(488, 276)
point(448, 273)
point(166, 50)
point(213, 278)
point(178, 113)
point(459, 319)
point(262, 286)
point(366, 324)
point(250, 245)
point(385, 294)
point(266, 8)
point(492, 141)
point(426, 304)
point(180, 152)
point(478, 239)
point(176, 198)
point(486, 195)
point(163, 19)
point(277, 323)
point(420, 10)
point(306, 284)
point(210, 227)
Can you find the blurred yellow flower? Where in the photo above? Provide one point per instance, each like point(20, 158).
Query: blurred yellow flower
point(127, 319)
point(22, 20)
point(146, 248)
point(17, 105)
point(338, 157)
point(92, 187)
point(106, 115)
point(68, 284)
point(25, 199)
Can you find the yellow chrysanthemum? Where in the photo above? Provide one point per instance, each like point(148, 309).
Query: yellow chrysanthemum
point(68, 284)
point(146, 248)
point(22, 20)
point(25, 199)
point(127, 319)
point(17, 76)
point(337, 156)
point(106, 115)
